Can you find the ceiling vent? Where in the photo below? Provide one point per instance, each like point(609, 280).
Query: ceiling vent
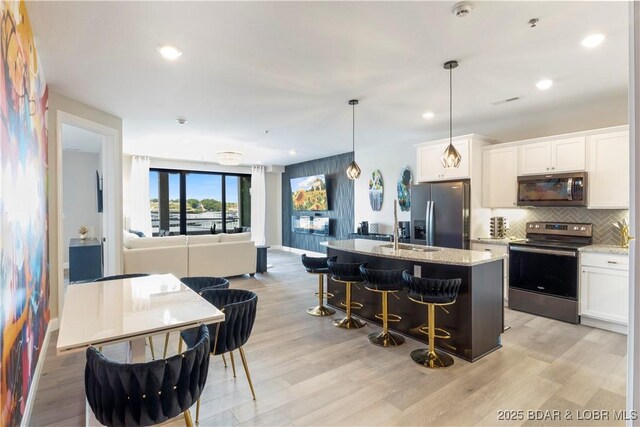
point(462, 9)
point(504, 101)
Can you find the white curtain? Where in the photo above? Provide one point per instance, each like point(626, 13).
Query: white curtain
point(140, 215)
point(258, 205)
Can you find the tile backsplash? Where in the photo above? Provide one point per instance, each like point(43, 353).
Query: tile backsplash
point(604, 232)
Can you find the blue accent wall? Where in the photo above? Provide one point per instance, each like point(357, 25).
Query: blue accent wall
point(340, 194)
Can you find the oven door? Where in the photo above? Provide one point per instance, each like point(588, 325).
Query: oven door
point(545, 271)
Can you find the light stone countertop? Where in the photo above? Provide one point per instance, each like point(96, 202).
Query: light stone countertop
point(449, 256)
point(605, 249)
point(494, 241)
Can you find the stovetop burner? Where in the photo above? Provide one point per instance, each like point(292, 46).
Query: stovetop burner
point(557, 235)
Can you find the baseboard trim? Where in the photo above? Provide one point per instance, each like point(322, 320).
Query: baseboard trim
point(298, 251)
point(26, 418)
point(603, 324)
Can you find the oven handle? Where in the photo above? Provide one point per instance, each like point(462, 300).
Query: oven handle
point(543, 251)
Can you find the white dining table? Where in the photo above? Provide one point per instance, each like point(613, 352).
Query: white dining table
point(127, 311)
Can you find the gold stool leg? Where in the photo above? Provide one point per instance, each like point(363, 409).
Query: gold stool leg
point(431, 357)
point(224, 360)
point(348, 322)
point(233, 364)
point(198, 411)
point(246, 371)
point(385, 338)
point(320, 310)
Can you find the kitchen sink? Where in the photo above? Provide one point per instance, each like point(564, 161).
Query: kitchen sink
point(417, 248)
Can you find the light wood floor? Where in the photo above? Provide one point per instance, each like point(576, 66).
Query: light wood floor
point(307, 372)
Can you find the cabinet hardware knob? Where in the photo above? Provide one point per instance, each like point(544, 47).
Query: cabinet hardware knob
point(612, 262)
point(547, 168)
point(488, 250)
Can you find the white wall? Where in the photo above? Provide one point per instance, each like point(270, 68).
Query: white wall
point(274, 208)
point(389, 160)
point(79, 202)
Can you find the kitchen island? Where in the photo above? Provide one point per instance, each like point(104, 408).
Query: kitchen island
point(475, 321)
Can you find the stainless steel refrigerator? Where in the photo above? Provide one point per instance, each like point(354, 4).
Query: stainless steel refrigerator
point(440, 214)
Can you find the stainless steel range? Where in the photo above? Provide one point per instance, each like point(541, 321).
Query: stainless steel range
point(543, 269)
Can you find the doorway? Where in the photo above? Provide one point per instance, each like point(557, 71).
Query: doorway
point(87, 192)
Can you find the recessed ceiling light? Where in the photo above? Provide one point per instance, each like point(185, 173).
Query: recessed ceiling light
point(593, 40)
point(169, 52)
point(428, 115)
point(181, 121)
point(544, 84)
point(292, 152)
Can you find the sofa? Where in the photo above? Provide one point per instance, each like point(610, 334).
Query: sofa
point(220, 255)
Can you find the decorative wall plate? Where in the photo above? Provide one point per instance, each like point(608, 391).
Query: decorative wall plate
point(376, 190)
point(404, 189)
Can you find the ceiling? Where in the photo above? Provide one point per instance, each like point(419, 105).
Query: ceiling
point(78, 139)
point(267, 77)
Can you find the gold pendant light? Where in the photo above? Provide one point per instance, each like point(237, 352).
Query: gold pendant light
point(354, 171)
point(451, 157)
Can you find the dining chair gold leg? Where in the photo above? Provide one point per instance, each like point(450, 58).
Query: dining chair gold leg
point(166, 345)
point(233, 364)
point(224, 360)
point(153, 353)
point(187, 418)
point(198, 411)
point(246, 370)
point(179, 345)
point(100, 349)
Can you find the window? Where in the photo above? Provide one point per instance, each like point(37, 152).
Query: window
point(190, 202)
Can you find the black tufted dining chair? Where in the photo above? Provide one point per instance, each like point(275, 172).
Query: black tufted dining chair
point(239, 308)
point(122, 277)
point(143, 394)
point(199, 284)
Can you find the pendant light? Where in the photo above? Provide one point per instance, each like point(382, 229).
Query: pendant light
point(451, 157)
point(354, 171)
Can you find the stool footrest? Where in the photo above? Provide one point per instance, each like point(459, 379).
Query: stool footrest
point(440, 333)
point(390, 317)
point(354, 305)
point(325, 294)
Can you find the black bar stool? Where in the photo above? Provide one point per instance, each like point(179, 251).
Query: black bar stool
point(348, 274)
point(433, 293)
point(319, 267)
point(386, 282)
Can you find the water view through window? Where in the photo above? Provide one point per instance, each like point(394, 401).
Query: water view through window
point(186, 202)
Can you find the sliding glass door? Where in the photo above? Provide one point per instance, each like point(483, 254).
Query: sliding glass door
point(164, 191)
point(191, 202)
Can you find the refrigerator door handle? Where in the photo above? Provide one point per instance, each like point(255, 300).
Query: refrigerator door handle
point(429, 231)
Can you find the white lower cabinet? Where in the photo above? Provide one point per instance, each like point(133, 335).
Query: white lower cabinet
point(497, 250)
point(604, 291)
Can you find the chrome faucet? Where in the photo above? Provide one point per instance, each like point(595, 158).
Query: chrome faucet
point(395, 226)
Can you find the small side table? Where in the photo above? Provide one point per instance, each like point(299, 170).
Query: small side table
point(261, 260)
point(85, 260)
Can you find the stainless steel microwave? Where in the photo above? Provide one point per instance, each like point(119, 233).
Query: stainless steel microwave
point(566, 189)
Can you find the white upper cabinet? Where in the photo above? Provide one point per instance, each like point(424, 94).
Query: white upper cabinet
point(429, 162)
point(563, 155)
point(608, 169)
point(499, 177)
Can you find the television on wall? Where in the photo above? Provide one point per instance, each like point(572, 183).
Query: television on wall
point(309, 193)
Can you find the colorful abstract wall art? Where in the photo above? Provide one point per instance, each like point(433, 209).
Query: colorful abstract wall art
point(24, 279)
point(404, 189)
point(376, 190)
